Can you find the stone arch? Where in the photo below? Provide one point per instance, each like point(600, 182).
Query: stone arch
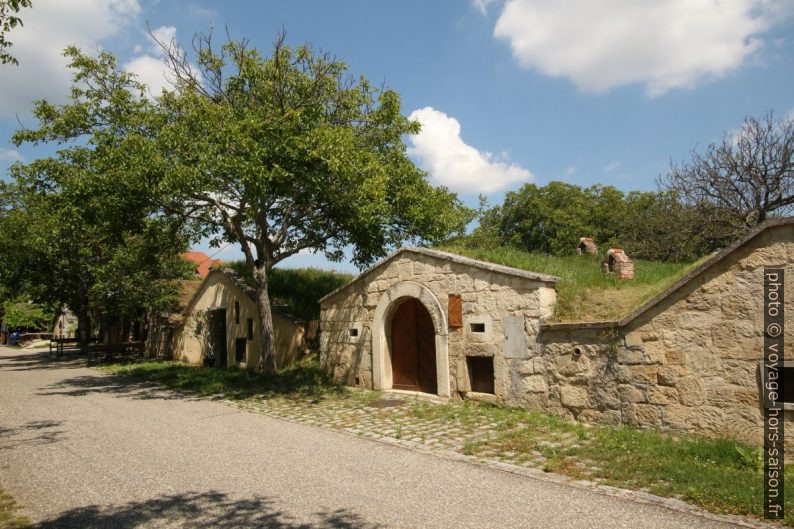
point(381, 356)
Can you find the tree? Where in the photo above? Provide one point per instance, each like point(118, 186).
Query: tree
point(658, 226)
point(745, 178)
point(19, 314)
point(84, 228)
point(8, 21)
point(287, 153)
point(552, 218)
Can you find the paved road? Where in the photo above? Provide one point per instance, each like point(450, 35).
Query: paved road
point(81, 449)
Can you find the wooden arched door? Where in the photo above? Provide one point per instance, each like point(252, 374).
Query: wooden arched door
point(413, 348)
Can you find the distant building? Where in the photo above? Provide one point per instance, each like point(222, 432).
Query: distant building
point(204, 263)
point(215, 323)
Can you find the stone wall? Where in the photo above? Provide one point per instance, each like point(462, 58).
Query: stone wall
point(488, 297)
point(689, 363)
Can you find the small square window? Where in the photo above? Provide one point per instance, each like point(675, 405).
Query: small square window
point(353, 333)
point(250, 324)
point(477, 327)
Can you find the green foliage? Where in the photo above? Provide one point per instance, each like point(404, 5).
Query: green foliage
point(85, 227)
point(585, 292)
point(301, 288)
point(8, 21)
point(708, 472)
point(721, 475)
point(297, 288)
point(552, 218)
point(287, 152)
point(749, 458)
point(17, 313)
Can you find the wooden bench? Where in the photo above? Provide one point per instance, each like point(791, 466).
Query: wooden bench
point(109, 350)
point(60, 345)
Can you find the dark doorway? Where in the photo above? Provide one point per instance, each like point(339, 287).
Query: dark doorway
point(240, 345)
point(413, 348)
point(481, 373)
point(217, 321)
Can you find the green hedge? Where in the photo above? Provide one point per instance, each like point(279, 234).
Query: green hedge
point(297, 288)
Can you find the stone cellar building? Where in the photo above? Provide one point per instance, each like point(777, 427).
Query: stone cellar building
point(431, 321)
point(688, 360)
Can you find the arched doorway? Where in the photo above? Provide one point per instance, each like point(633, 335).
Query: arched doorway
point(413, 348)
point(382, 321)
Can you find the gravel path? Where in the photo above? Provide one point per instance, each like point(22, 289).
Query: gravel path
point(81, 449)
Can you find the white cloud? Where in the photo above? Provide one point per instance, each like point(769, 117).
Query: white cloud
point(662, 44)
point(151, 71)
point(10, 155)
point(164, 35)
point(453, 163)
point(50, 26)
point(151, 68)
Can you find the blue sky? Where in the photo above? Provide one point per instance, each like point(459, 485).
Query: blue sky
point(508, 91)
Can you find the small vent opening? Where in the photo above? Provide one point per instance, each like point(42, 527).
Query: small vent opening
point(477, 327)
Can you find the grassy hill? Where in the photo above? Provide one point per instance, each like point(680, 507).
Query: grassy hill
point(585, 293)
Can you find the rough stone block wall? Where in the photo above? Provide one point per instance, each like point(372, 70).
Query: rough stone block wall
point(690, 363)
point(487, 297)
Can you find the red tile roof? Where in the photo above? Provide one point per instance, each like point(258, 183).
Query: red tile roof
point(202, 261)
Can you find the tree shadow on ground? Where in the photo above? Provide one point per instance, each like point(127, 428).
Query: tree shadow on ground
point(156, 379)
point(30, 360)
point(34, 433)
point(201, 511)
point(89, 384)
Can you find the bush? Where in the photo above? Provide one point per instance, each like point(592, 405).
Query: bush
point(299, 289)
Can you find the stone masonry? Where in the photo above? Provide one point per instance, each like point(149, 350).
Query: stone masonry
point(686, 361)
point(355, 319)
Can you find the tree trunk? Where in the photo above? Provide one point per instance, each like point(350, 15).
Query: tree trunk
point(267, 362)
point(83, 327)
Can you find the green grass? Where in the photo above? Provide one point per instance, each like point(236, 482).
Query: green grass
point(9, 516)
point(720, 475)
point(584, 292)
point(304, 379)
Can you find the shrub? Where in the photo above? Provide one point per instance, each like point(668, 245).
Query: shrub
point(299, 289)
